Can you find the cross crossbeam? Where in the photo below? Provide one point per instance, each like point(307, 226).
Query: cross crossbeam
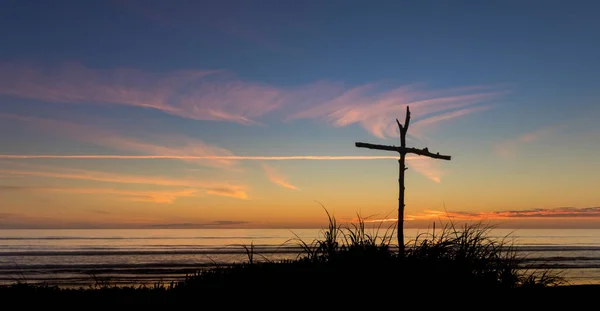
point(423, 152)
point(403, 150)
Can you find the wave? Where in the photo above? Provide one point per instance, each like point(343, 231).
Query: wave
point(154, 249)
point(278, 250)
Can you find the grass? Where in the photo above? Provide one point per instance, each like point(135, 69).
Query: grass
point(352, 259)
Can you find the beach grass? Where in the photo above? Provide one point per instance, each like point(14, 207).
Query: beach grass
point(356, 258)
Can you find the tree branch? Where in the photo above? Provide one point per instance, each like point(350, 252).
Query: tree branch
point(407, 121)
point(399, 126)
point(425, 152)
point(378, 147)
point(405, 150)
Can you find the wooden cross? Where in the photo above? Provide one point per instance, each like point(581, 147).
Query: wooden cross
point(403, 150)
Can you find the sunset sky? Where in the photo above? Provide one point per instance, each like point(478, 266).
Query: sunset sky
point(223, 114)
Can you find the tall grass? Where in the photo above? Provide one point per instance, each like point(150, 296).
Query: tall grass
point(454, 255)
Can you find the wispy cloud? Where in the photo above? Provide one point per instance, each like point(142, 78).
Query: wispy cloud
point(508, 148)
point(211, 188)
point(422, 165)
point(162, 196)
point(12, 188)
point(219, 96)
point(176, 146)
point(228, 191)
point(426, 122)
point(156, 196)
point(212, 224)
point(276, 177)
point(199, 95)
point(540, 213)
point(248, 158)
point(561, 212)
point(376, 110)
point(427, 167)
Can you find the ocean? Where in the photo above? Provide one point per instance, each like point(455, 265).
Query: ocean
point(74, 258)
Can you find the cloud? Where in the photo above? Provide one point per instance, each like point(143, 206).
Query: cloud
point(427, 167)
point(199, 95)
point(229, 222)
point(417, 128)
point(162, 196)
point(156, 196)
point(12, 188)
point(218, 96)
point(276, 177)
point(508, 148)
point(101, 212)
point(211, 188)
point(538, 214)
point(236, 158)
point(238, 193)
point(549, 213)
point(376, 110)
point(176, 146)
point(216, 223)
point(6, 215)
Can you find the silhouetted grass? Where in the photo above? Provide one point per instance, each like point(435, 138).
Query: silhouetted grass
point(465, 258)
point(355, 260)
point(471, 255)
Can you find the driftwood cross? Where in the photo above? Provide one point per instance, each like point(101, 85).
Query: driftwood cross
point(403, 150)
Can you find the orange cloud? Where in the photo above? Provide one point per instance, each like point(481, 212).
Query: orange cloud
point(162, 196)
point(537, 214)
point(276, 177)
point(237, 193)
point(212, 188)
point(547, 213)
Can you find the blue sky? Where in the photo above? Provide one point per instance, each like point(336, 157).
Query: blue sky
point(508, 89)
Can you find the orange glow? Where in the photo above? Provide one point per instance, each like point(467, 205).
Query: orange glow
point(276, 177)
point(214, 188)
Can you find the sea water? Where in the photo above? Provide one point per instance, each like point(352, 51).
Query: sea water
point(135, 256)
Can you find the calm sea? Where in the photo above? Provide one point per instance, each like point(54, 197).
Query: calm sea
point(84, 257)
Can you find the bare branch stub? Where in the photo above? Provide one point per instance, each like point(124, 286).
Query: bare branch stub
point(407, 120)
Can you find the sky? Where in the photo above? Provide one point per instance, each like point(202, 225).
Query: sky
point(245, 114)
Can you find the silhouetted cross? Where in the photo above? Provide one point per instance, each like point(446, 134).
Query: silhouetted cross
point(403, 150)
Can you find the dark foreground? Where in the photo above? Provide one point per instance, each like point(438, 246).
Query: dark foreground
point(572, 297)
point(458, 268)
point(368, 280)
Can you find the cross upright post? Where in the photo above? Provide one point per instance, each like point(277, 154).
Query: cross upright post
point(403, 150)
